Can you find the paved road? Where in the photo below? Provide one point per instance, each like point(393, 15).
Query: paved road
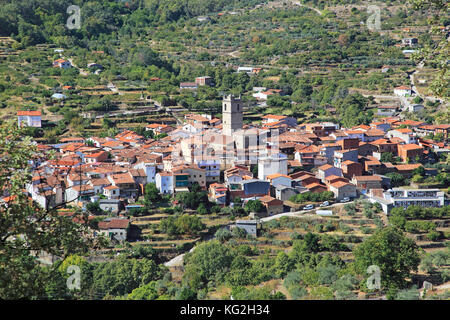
point(302, 213)
point(177, 261)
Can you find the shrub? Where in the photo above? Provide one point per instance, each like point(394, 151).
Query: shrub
point(293, 278)
point(366, 230)
point(408, 294)
point(297, 292)
point(223, 234)
point(350, 209)
point(239, 233)
point(344, 228)
point(434, 235)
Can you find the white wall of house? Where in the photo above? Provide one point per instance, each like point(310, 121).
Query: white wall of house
point(164, 183)
point(272, 165)
point(282, 181)
point(30, 121)
point(402, 92)
point(150, 170)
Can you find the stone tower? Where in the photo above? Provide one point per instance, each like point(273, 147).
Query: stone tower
point(231, 114)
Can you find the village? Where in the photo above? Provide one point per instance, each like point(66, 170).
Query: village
point(276, 162)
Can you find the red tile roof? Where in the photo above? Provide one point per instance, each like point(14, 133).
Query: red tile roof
point(29, 113)
point(114, 224)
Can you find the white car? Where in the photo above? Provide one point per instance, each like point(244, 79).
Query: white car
point(324, 204)
point(346, 199)
point(308, 207)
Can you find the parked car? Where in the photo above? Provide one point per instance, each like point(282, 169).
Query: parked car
point(325, 204)
point(346, 199)
point(308, 207)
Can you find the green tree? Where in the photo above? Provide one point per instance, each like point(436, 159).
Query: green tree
point(184, 224)
point(395, 254)
point(27, 229)
point(397, 179)
point(145, 292)
point(436, 53)
point(321, 293)
point(211, 259)
point(223, 234)
point(387, 157)
point(152, 194)
point(202, 209)
point(254, 206)
point(122, 276)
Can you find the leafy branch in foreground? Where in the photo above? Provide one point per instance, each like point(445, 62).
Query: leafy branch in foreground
point(29, 232)
point(436, 55)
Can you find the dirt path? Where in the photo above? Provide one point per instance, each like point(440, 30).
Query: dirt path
point(311, 8)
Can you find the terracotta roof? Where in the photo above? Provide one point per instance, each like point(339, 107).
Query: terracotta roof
point(122, 178)
point(367, 178)
point(96, 155)
point(353, 132)
point(315, 185)
point(112, 144)
point(325, 167)
point(403, 88)
point(273, 116)
point(111, 188)
point(84, 187)
point(410, 146)
point(277, 175)
point(29, 113)
point(114, 224)
point(407, 167)
point(339, 184)
point(408, 123)
point(362, 126)
point(374, 133)
point(404, 130)
point(270, 200)
point(308, 149)
point(294, 163)
point(164, 173)
point(397, 140)
point(100, 182)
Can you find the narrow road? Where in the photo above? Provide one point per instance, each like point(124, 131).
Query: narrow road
point(82, 72)
point(177, 261)
point(311, 8)
point(303, 213)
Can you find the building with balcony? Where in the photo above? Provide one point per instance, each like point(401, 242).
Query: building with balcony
point(399, 197)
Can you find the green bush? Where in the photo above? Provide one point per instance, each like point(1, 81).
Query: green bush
point(312, 197)
point(297, 292)
point(434, 235)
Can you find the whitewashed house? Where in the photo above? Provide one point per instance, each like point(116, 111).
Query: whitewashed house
point(29, 118)
point(164, 182)
point(403, 91)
